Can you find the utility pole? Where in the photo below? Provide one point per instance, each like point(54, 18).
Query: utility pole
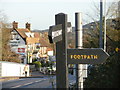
point(101, 22)
point(79, 44)
point(104, 25)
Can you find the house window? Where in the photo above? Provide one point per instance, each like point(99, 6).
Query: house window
point(17, 37)
point(14, 36)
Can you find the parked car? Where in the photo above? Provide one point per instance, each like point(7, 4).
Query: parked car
point(48, 70)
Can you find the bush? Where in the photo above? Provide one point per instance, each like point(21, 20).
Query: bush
point(37, 65)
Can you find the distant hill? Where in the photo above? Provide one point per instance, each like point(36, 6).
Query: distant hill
point(90, 29)
point(86, 27)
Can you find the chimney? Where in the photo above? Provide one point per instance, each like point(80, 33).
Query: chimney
point(28, 25)
point(15, 25)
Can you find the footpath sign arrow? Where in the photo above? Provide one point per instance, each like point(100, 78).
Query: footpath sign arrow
point(86, 56)
point(55, 32)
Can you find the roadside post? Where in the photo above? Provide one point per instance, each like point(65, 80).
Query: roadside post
point(58, 34)
point(79, 45)
point(61, 53)
point(101, 25)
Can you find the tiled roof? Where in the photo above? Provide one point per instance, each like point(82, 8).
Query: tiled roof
point(49, 49)
point(30, 40)
point(22, 32)
point(43, 43)
point(36, 35)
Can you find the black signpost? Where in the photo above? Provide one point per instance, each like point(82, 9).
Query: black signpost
point(61, 52)
point(58, 34)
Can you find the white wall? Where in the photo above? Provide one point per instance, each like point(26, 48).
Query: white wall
point(12, 69)
point(19, 43)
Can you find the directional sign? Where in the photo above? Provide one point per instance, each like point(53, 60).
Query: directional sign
point(55, 32)
point(86, 56)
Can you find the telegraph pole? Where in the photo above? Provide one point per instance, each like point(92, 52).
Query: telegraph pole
point(104, 25)
point(101, 22)
point(79, 44)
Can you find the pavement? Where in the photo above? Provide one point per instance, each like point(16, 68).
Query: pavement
point(34, 74)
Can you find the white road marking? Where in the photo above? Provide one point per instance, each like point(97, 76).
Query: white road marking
point(27, 83)
point(40, 80)
point(16, 86)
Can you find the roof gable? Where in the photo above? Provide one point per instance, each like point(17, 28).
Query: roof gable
point(22, 32)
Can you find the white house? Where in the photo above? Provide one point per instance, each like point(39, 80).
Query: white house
point(24, 42)
point(27, 44)
point(18, 42)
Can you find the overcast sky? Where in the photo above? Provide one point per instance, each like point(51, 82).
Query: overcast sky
point(41, 13)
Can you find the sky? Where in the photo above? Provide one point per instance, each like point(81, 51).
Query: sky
point(41, 13)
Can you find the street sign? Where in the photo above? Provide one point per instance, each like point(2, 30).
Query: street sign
point(86, 56)
point(21, 50)
point(55, 32)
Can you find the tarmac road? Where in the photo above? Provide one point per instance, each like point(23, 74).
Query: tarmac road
point(27, 83)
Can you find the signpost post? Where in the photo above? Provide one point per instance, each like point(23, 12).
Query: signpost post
point(61, 53)
point(58, 34)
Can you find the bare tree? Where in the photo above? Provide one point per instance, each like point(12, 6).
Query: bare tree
point(6, 53)
point(111, 13)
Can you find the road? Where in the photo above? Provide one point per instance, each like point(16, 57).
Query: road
point(37, 82)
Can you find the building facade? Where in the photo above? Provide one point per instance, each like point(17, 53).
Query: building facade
point(29, 45)
point(23, 42)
